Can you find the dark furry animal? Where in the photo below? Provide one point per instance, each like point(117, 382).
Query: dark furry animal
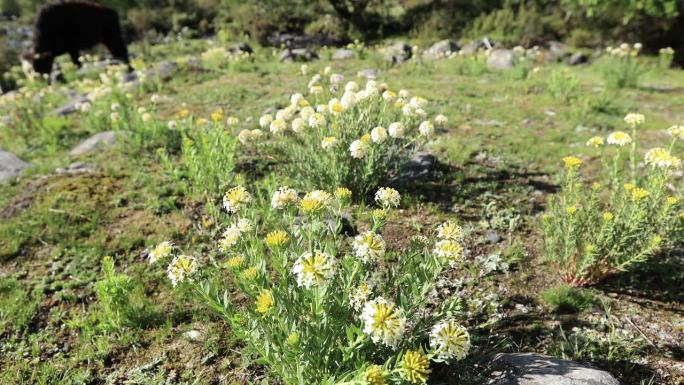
point(70, 26)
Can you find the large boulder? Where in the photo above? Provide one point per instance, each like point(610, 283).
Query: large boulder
point(398, 52)
point(558, 51)
point(578, 58)
point(343, 54)
point(535, 369)
point(297, 54)
point(501, 59)
point(418, 167)
point(241, 47)
point(96, 142)
point(442, 48)
point(10, 165)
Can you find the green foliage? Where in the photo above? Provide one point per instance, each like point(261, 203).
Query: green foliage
point(122, 302)
point(309, 299)
point(563, 85)
point(567, 299)
point(590, 232)
point(18, 305)
point(622, 66)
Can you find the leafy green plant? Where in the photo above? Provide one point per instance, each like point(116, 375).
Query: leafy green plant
point(665, 57)
point(563, 85)
point(358, 138)
point(622, 66)
point(567, 299)
point(121, 300)
point(314, 309)
point(591, 232)
point(471, 64)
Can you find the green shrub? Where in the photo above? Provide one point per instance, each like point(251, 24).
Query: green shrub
point(359, 137)
point(622, 66)
point(591, 232)
point(567, 299)
point(313, 309)
point(121, 299)
point(563, 85)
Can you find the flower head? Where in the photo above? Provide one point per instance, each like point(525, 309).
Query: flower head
point(639, 194)
point(235, 262)
point(450, 250)
point(284, 197)
point(572, 162)
point(313, 269)
point(661, 158)
point(426, 128)
point(378, 134)
point(236, 198)
point(328, 142)
point(595, 142)
point(317, 120)
point(415, 367)
point(607, 216)
point(368, 246)
point(441, 120)
point(358, 149)
point(383, 321)
point(633, 120)
point(396, 130)
point(181, 268)
point(230, 238)
point(387, 197)
point(265, 120)
point(343, 193)
point(160, 251)
point(278, 126)
point(676, 132)
point(315, 201)
point(298, 125)
point(375, 375)
point(276, 238)
point(570, 210)
point(619, 138)
point(450, 340)
point(449, 230)
point(359, 296)
point(264, 301)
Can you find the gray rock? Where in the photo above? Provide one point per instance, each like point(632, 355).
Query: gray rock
point(297, 54)
point(343, 54)
point(476, 45)
point(76, 168)
point(72, 106)
point(369, 73)
point(557, 50)
point(193, 335)
point(10, 165)
point(166, 69)
point(578, 58)
point(534, 369)
point(442, 49)
point(493, 237)
point(5, 120)
point(501, 59)
point(418, 167)
point(398, 52)
point(96, 142)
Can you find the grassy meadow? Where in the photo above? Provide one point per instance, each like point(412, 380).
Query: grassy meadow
point(520, 237)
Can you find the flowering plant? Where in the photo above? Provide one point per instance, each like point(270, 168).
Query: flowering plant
point(623, 67)
point(320, 306)
point(591, 232)
point(345, 134)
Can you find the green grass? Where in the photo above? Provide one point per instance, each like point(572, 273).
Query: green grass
point(498, 160)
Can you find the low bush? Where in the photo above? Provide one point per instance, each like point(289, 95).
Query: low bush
point(345, 135)
point(595, 230)
point(317, 307)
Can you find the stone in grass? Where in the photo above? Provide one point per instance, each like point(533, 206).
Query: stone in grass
point(10, 165)
point(343, 54)
point(398, 52)
point(369, 73)
point(501, 59)
point(442, 48)
point(297, 54)
point(72, 106)
point(535, 369)
point(94, 143)
point(418, 167)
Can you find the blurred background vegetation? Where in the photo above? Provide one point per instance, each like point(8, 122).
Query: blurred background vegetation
point(580, 23)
